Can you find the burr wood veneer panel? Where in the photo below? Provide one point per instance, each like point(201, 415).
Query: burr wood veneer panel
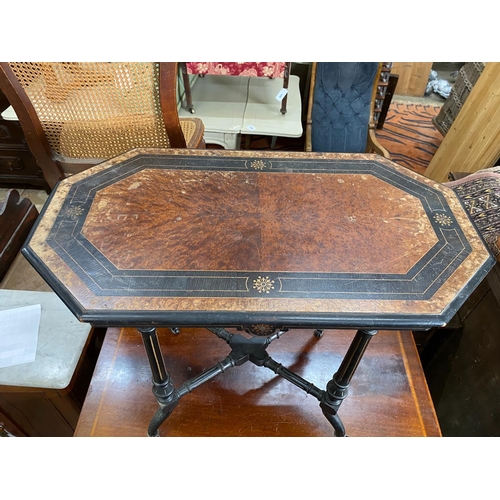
point(176, 237)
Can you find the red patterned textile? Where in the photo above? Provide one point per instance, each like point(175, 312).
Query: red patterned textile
point(269, 69)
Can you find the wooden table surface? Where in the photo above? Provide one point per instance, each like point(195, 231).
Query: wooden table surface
point(231, 238)
point(388, 395)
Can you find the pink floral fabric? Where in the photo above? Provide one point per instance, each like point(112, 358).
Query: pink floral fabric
point(269, 69)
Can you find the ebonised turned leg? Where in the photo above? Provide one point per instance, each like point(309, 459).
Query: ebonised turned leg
point(187, 87)
point(254, 350)
point(163, 388)
point(337, 388)
point(286, 77)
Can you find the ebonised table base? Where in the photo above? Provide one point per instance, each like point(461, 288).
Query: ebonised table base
point(252, 349)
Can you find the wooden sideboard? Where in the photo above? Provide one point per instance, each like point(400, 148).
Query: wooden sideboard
point(18, 167)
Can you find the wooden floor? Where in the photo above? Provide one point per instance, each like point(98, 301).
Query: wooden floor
point(388, 395)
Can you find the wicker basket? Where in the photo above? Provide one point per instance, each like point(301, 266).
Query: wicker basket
point(466, 79)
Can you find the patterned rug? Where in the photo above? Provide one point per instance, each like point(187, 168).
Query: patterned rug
point(409, 135)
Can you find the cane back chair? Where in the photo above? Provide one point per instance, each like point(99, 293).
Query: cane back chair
point(77, 114)
point(340, 116)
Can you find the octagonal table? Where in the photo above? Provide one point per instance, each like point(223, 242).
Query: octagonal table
point(260, 242)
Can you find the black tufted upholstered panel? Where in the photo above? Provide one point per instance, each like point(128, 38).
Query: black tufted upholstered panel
point(341, 107)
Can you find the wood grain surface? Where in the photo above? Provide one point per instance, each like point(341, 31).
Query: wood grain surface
point(472, 143)
point(388, 394)
point(249, 221)
point(210, 237)
point(17, 216)
point(413, 77)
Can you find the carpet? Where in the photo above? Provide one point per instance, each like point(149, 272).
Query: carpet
point(409, 135)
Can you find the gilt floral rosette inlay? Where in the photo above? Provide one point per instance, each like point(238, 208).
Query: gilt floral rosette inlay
point(258, 164)
point(74, 211)
point(263, 284)
point(443, 219)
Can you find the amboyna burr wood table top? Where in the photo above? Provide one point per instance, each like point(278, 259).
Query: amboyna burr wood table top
point(179, 237)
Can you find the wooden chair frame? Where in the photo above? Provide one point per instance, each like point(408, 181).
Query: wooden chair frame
point(17, 216)
point(52, 165)
point(372, 145)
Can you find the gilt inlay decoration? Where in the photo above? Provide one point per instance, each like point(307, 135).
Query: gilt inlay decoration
point(443, 220)
point(263, 284)
point(248, 232)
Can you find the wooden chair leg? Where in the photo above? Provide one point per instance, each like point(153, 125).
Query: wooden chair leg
point(286, 77)
point(391, 87)
point(187, 87)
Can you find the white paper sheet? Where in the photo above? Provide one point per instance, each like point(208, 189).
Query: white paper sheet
point(19, 335)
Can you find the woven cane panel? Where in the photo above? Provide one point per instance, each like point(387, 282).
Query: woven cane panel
point(95, 110)
point(188, 128)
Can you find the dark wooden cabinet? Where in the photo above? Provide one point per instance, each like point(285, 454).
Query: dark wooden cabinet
point(8, 428)
point(18, 167)
point(28, 412)
point(39, 412)
point(461, 365)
